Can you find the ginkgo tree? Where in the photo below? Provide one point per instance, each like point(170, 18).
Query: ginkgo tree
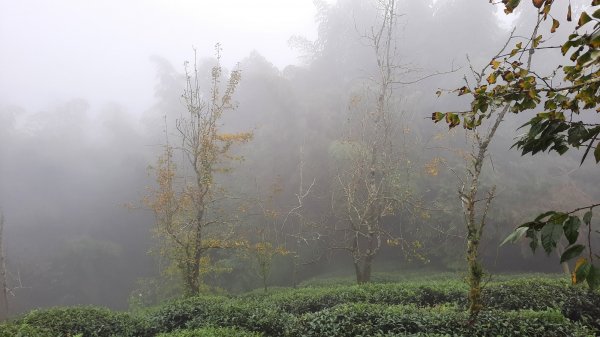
point(565, 102)
point(190, 220)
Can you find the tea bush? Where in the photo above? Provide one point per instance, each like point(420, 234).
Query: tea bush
point(89, 321)
point(523, 307)
point(196, 312)
point(363, 319)
point(21, 330)
point(210, 332)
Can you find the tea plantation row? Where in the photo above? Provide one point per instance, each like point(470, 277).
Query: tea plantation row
point(521, 307)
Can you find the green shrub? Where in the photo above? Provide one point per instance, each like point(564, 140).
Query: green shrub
point(530, 293)
point(575, 302)
point(210, 332)
point(522, 307)
point(248, 315)
point(305, 300)
point(372, 319)
point(89, 321)
point(22, 330)
point(196, 312)
point(583, 308)
point(176, 314)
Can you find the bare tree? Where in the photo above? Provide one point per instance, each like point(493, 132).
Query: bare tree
point(367, 174)
point(305, 240)
point(286, 231)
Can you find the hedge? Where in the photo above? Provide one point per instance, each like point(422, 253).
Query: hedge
point(210, 332)
point(362, 319)
point(89, 321)
point(535, 306)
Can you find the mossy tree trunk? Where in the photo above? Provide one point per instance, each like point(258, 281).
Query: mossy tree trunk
point(475, 218)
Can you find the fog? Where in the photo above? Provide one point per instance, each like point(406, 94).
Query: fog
point(101, 50)
point(89, 91)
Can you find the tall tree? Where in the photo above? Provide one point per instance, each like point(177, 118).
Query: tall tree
point(368, 165)
point(475, 207)
point(510, 83)
point(190, 222)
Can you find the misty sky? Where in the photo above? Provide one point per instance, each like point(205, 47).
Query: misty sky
point(100, 51)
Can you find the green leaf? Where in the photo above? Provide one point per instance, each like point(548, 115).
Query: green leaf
point(583, 19)
point(558, 218)
point(515, 236)
point(595, 41)
point(543, 215)
point(585, 59)
point(587, 217)
point(571, 229)
point(593, 277)
point(533, 235)
point(452, 119)
point(597, 153)
point(437, 116)
point(510, 5)
point(571, 253)
point(469, 123)
point(546, 10)
point(555, 25)
point(550, 234)
point(538, 39)
point(577, 134)
point(565, 47)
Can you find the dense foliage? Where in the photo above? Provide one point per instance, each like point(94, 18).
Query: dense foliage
point(533, 306)
point(210, 332)
point(88, 321)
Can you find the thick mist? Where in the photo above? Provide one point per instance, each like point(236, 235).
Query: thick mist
point(89, 94)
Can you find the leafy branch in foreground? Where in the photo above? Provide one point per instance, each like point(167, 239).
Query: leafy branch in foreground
point(509, 83)
point(567, 122)
point(550, 227)
point(568, 105)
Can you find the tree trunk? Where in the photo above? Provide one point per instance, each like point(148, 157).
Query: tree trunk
point(194, 269)
point(265, 283)
point(358, 272)
point(362, 269)
point(294, 274)
point(475, 275)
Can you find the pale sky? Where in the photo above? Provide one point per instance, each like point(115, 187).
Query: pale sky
point(56, 50)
